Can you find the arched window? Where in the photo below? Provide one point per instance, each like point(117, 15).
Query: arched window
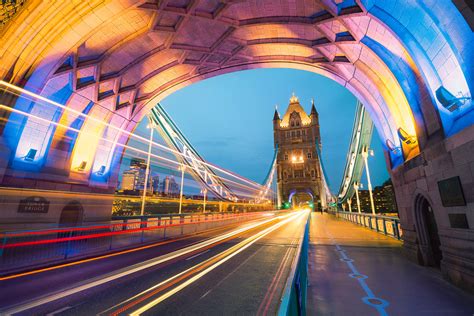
point(297, 123)
point(309, 155)
point(298, 134)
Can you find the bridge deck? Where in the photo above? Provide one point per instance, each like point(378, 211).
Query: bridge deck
point(354, 271)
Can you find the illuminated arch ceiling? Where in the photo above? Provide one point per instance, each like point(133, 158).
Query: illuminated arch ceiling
point(115, 59)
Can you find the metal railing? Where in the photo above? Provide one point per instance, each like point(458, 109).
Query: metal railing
point(20, 250)
point(293, 300)
point(386, 225)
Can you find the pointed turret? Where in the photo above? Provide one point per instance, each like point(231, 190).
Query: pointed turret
point(314, 112)
point(276, 116)
point(314, 115)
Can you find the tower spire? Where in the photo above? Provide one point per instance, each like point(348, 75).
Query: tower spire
point(276, 115)
point(313, 109)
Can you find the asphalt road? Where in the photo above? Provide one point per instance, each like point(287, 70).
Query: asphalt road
point(236, 270)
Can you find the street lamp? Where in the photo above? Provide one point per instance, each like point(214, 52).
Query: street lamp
point(356, 187)
point(150, 126)
point(349, 202)
point(182, 168)
point(365, 154)
point(204, 191)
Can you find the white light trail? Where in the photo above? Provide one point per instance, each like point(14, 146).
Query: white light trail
point(132, 135)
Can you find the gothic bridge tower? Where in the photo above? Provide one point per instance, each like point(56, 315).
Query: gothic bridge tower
point(298, 169)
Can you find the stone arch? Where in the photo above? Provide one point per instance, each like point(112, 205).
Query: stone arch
point(71, 214)
point(367, 46)
point(429, 245)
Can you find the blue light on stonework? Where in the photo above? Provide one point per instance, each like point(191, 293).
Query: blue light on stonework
point(36, 134)
point(434, 46)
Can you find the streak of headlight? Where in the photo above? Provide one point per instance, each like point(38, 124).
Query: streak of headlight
point(130, 270)
point(246, 244)
point(111, 141)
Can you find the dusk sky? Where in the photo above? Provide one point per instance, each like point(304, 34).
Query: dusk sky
point(228, 119)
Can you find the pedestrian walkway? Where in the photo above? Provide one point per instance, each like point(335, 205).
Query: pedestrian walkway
point(355, 271)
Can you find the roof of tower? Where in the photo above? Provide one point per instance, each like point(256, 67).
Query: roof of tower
point(276, 116)
point(313, 109)
point(295, 106)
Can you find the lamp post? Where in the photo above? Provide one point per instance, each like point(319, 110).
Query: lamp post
point(204, 192)
point(182, 168)
point(365, 155)
point(147, 170)
point(349, 202)
point(356, 187)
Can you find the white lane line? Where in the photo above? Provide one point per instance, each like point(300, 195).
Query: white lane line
point(88, 284)
point(59, 311)
point(197, 255)
point(253, 239)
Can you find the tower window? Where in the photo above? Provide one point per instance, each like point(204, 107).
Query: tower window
point(286, 157)
point(298, 134)
point(313, 173)
point(309, 155)
point(297, 123)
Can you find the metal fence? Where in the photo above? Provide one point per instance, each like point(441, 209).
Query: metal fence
point(21, 250)
point(293, 301)
point(387, 225)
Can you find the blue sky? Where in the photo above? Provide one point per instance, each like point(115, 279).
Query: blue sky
point(228, 119)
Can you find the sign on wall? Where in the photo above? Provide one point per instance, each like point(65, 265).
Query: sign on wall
point(451, 192)
point(33, 204)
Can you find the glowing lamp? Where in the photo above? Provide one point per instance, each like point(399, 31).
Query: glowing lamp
point(30, 156)
point(101, 171)
point(82, 166)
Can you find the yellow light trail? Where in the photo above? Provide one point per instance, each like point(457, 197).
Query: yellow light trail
point(228, 254)
point(87, 284)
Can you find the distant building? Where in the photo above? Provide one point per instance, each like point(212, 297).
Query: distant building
point(129, 180)
point(139, 165)
point(169, 187)
point(155, 180)
point(133, 179)
point(384, 199)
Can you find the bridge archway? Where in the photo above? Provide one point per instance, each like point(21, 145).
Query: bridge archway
point(71, 215)
point(157, 48)
point(301, 198)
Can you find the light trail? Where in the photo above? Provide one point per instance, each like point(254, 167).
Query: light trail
point(121, 145)
point(132, 135)
point(228, 254)
point(100, 280)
